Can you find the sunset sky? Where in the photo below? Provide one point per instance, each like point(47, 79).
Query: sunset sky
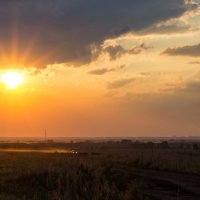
point(100, 68)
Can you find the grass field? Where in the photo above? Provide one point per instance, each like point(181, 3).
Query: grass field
point(99, 172)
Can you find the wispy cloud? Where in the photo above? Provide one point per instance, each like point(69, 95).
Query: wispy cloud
point(120, 83)
point(118, 51)
point(103, 71)
point(194, 63)
point(190, 50)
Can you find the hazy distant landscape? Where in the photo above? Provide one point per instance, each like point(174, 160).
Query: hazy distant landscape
point(120, 170)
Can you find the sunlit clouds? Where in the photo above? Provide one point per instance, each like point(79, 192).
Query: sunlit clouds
point(113, 69)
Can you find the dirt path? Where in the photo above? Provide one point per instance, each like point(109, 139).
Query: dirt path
point(170, 186)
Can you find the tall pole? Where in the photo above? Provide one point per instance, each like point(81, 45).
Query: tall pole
point(45, 135)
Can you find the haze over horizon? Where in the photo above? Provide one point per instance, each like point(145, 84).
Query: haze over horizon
point(98, 68)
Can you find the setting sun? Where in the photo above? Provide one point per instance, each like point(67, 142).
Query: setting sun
point(12, 79)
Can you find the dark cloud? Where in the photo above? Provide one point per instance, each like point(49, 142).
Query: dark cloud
point(120, 83)
point(193, 50)
point(42, 32)
point(118, 51)
point(105, 70)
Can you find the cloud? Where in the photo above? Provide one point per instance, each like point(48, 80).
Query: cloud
point(190, 87)
point(180, 104)
point(103, 71)
point(120, 83)
point(43, 32)
point(145, 74)
point(170, 27)
point(118, 51)
point(194, 63)
point(193, 51)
